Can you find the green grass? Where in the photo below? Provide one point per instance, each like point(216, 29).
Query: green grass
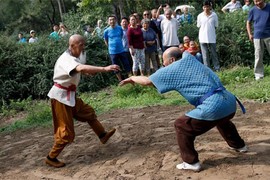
point(38, 114)
point(239, 80)
point(130, 96)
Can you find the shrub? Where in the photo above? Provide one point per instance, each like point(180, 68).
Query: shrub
point(27, 69)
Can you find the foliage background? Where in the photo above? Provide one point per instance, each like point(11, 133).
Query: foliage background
point(26, 70)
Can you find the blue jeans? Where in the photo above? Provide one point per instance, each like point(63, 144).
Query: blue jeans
point(121, 59)
point(210, 48)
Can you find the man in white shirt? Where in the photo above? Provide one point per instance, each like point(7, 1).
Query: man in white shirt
point(65, 105)
point(169, 27)
point(207, 21)
point(232, 6)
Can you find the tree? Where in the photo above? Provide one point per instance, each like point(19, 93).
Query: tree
point(32, 14)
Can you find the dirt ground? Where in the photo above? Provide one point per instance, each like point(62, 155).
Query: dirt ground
point(144, 147)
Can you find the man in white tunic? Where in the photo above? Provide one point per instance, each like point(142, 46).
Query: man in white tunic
point(169, 27)
point(65, 105)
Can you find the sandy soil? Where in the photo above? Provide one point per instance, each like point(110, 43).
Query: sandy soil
point(144, 147)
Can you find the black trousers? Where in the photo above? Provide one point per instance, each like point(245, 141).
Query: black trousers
point(188, 128)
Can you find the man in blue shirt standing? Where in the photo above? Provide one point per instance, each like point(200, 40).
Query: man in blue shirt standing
point(113, 39)
point(201, 87)
point(259, 15)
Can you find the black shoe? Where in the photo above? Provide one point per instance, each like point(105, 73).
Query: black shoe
point(107, 136)
point(54, 162)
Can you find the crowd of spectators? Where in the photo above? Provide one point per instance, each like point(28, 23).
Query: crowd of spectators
point(137, 44)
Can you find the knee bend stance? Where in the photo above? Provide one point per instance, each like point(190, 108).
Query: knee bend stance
point(180, 124)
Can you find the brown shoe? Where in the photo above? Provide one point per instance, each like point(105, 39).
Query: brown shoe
point(54, 162)
point(107, 136)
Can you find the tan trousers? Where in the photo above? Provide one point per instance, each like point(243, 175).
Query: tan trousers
point(259, 51)
point(64, 126)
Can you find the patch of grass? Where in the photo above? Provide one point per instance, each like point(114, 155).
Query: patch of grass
point(130, 96)
point(38, 114)
point(239, 80)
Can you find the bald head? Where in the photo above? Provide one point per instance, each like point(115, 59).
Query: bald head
point(76, 45)
point(76, 38)
point(170, 55)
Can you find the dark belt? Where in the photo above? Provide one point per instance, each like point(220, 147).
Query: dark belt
point(214, 91)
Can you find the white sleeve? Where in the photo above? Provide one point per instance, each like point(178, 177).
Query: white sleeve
point(216, 21)
point(198, 21)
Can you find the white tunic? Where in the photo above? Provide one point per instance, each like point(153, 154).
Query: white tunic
point(207, 25)
point(66, 77)
point(169, 32)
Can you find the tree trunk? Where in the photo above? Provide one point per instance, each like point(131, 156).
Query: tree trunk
point(121, 8)
point(63, 6)
point(60, 9)
point(116, 12)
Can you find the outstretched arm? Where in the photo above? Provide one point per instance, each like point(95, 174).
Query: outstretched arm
point(142, 80)
point(88, 69)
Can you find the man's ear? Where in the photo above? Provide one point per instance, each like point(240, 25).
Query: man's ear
point(172, 59)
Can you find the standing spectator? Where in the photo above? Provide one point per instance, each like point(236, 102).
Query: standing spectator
point(259, 15)
point(149, 38)
point(63, 31)
point(33, 37)
point(66, 105)
point(178, 14)
point(136, 46)
point(186, 17)
point(21, 38)
point(124, 25)
point(207, 21)
point(156, 27)
point(55, 34)
point(98, 31)
point(232, 6)
point(169, 27)
point(157, 21)
point(152, 24)
point(113, 39)
point(247, 6)
point(163, 7)
point(138, 19)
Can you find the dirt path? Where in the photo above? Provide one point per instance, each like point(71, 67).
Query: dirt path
point(144, 147)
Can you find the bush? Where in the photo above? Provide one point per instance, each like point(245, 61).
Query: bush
point(27, 69)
